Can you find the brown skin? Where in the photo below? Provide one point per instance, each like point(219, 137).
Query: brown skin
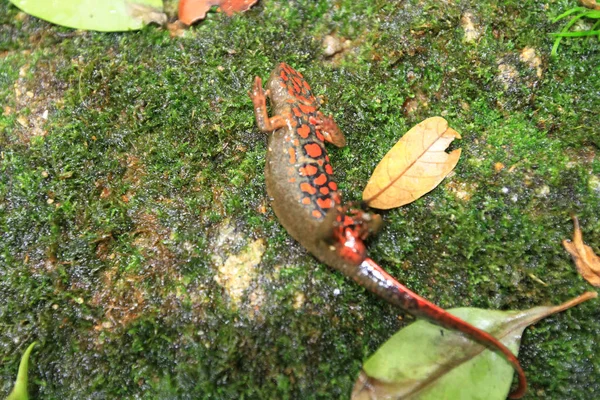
point(305, 199)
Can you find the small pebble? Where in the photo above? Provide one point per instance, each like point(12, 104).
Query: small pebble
point(331, 46)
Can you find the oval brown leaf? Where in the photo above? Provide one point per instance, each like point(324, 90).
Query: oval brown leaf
point(414, 166)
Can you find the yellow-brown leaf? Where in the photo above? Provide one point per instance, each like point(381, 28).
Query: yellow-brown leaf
point(414, 166)
point(586, 261)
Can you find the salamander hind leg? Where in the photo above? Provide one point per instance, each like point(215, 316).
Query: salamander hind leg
point(259, 99)
point(344, 229)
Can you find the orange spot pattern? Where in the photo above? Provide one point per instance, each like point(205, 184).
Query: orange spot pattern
point(317, 191)
point(307, 109)
point(309, 170)
point(313, 150)
point(292, 154)
point(303, 131)
point(308, 188)
point(325, 203)
point(321, 180)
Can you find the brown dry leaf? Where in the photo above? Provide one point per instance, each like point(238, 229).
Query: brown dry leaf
point(191, 11)
point(587, 263)
point(414, 166)
point(590, 4)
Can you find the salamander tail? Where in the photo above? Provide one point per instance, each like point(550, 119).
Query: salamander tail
point(400, 295)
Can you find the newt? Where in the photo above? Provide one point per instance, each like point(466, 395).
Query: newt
point(306, 200)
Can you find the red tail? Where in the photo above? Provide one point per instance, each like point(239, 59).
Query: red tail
point(384, 285)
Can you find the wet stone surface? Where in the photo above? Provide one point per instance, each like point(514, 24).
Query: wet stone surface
point(124, 158)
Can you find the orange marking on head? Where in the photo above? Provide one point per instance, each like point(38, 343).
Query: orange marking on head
point(297, 81)
point(299, 74)
point(328, 169)
point(296, 142)
point(320, 135)
point(307, 109)
point(283, 76)
point(309, 170)
point(324, 190)
point(290, 101)
point(308, 188)
point(304, 131)
point(313, 150)
point(296, 88)
point(306, 200)
point(332, 185)
point(321, 179)
point(292, 154)
point(305, 84)
point(287, 138)
point(317, 214)
point(320, 162)
point(325, 203)
point(303, 99)
point(286, 68)
point(297, 112)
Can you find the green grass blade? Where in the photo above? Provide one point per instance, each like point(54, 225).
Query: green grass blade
point(569, 12)
point(564, 30)
point(576, 34)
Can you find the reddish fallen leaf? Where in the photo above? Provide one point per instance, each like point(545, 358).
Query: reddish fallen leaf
point(414, 166)
point(586, 261)
point(191, 11)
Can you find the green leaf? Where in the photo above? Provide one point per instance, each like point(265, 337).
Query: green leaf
point(426, 362)
point(96, 15)
point(19, 392)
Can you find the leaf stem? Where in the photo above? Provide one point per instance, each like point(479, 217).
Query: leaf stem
point(573, 302)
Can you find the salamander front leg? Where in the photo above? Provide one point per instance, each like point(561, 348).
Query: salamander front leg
point(331, 132)
point(259, 99)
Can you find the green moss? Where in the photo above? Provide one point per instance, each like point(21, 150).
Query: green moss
point(111, 212)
